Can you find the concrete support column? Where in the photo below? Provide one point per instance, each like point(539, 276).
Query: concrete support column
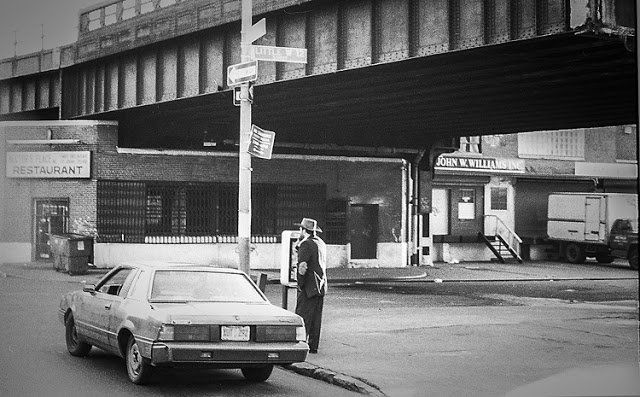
point(426, 204)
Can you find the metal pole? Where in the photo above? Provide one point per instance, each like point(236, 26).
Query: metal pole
point(416, 215)
point(244, 163)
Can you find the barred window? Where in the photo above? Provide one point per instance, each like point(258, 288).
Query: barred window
point(121, 209)
point(470, 144)
point(499, 198)
point(561, 144)
point(132, 211)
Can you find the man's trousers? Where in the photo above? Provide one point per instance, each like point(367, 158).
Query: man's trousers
point(310, 309)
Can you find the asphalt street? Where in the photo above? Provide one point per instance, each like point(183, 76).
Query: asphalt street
point(487, 330)
point(34, 361)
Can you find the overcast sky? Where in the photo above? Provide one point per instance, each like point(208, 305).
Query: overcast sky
point(59, 17)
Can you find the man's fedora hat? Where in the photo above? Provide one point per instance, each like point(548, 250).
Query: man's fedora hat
point(309, 224)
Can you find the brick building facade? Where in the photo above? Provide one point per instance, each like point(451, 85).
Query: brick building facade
point(511, 176)
point(182, 205)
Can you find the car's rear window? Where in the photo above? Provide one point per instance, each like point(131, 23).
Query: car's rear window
point(202, 286)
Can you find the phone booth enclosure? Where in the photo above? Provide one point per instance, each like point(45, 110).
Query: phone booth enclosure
point(289, 268)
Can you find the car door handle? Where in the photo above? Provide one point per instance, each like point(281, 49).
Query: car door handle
point(107, 307)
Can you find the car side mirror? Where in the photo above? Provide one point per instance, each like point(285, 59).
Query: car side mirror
point(91, 288)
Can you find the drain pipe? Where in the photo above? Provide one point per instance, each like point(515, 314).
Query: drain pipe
point(415, 211)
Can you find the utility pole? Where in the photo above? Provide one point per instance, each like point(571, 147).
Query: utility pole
point(15, 43)
point(244, 162)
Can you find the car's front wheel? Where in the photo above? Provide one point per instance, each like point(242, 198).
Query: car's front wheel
point(138, 367)
point(75, 345)
point(257, 374)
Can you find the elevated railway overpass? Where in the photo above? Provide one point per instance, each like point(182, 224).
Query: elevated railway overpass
point(380, 73)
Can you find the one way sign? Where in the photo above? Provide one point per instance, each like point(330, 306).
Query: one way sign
point(242, 73)
point(261, 144)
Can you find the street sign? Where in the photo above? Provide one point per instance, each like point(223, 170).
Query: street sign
point(279, 54)
point(261, 143)
point(242, 73)
point(256, 31)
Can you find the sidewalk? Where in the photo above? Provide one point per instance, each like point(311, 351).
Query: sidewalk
point(345, 371)
point(439, 272)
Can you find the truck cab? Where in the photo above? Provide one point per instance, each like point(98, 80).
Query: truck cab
point(623, 240)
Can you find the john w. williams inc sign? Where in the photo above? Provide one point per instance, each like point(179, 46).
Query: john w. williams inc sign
point(479, 164)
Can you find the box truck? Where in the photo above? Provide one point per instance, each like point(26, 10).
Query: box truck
point(580, 225)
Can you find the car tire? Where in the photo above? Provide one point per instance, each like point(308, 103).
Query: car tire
point(574, 253)
point(633, 257)
point(75, 346)
point(257, 374)
point(138, 367)
point(604, 258)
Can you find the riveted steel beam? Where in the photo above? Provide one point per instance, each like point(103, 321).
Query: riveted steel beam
point(183, 50)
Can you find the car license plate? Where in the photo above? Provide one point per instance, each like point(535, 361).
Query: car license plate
point(235, 332)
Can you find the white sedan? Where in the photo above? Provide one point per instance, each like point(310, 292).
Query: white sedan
point(178, 315)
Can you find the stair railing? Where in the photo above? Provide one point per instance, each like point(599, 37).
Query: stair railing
point(495, 227)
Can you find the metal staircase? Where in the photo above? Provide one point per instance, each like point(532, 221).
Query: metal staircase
point(500, 239)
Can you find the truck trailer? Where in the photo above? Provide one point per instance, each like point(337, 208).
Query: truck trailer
point(580, 224)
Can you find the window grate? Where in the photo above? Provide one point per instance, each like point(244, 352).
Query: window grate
point(121, 208)
point(138, 212)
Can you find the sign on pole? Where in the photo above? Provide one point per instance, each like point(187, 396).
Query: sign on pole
point(242, 73)
point(279, 54)
point(256, 31)
point(261, 143)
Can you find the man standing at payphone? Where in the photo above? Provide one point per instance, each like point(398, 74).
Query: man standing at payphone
point(312, 279)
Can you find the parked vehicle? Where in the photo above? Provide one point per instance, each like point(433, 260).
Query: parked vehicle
point(176, 315)
point(580, 224)
point(623, 240)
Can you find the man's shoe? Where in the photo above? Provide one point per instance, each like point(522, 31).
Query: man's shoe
point(313, 351)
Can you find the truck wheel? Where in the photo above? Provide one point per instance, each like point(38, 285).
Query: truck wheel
point(633, 257)
point(574, 253)
point(604, 258)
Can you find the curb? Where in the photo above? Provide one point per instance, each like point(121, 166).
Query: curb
point(335, 378)
point(499, 280)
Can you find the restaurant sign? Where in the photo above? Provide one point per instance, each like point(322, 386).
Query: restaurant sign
point(451, 163)
point(66, 165)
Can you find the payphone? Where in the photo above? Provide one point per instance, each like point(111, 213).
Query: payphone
point(289, 268)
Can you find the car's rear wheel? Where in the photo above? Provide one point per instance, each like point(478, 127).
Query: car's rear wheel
point(574, 253)
point(138, 367)
point(257, 374)
point(75, 345)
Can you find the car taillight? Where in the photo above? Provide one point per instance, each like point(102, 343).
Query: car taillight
point(301, 334)
point(191, 333)
point(166, 332)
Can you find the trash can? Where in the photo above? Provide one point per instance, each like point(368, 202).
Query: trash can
point(71, 252)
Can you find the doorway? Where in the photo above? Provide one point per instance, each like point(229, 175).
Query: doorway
point(363, 231)
point(51, 217)
point(592, 218)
